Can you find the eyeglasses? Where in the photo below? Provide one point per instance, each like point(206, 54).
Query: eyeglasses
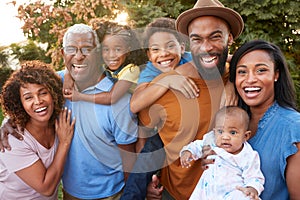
point(71, 50)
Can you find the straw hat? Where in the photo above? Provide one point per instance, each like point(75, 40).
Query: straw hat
point(210, 8)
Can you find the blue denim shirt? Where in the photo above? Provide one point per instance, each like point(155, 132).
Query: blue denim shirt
point(278, 131)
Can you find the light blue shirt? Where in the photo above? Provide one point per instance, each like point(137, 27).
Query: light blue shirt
point(277, 133)
point(93, 168)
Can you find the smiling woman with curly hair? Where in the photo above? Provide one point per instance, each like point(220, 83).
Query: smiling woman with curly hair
point(32, 98)
point(33, 72)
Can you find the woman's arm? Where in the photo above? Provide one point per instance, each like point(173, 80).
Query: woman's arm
point(292, 174)
point(45, 180)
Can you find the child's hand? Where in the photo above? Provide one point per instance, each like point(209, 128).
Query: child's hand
point(229, 58)
point(68, 83)
point(185, 159)
point(229, 97)
point(249, 191)
point(183, 84)
point(67, 91)
point(72, 95)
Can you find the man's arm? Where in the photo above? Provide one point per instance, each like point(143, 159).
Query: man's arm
point(8, 127)
point(128, 157)
point(154, 190)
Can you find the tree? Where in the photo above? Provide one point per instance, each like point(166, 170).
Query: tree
point(4, 74)
point(29, 51)
point(46, 23)
point(276, 21)
point(273, 20)
point(5, 70)
point(143, 12)
point(3, 57)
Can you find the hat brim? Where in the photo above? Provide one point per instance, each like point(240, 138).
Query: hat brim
point(234, 20)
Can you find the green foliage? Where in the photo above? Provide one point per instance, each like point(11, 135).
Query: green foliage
point(143, 12)
point(44, 23)
point(1, 116)
point(276, 21)
point(4, 74)
point(29, 51)
point(5, 70)
point(3, 57)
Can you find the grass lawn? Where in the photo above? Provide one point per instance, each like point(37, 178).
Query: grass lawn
point(60, 195)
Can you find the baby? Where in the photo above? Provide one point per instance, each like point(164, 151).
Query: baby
point(236, 172)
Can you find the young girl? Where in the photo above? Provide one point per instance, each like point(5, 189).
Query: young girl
point(166, 51)
point(121, 54)
point(32, 98)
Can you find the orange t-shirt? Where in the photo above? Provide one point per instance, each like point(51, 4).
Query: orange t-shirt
point(181, 121)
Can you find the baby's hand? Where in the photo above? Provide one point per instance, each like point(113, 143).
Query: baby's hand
point(249, 191)
point(185, 159)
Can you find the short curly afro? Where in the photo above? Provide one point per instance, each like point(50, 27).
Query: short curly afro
point(34, 72)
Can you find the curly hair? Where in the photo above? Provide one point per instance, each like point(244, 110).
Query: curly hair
point(32, 72)
point(104, 27)
point(162, 24)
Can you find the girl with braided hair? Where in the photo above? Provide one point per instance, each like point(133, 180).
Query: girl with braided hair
point(121, 56)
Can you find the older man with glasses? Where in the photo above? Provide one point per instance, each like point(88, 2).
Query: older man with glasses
point(104, 134)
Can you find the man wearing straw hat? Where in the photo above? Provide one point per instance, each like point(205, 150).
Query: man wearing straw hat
point(211, 29)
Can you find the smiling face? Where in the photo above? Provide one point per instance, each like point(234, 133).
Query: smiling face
point(37, 102)
point(255, 78)
point(164, 51)
point(85, 69)
point(209, 41)
point(231, 132)
point(114, 51)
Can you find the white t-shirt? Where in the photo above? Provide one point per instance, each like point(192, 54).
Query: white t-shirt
point(23, 154)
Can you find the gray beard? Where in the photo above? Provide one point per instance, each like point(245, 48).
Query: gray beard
point(214, 73)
